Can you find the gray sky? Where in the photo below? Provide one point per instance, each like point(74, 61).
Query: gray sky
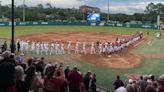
point(116, 6)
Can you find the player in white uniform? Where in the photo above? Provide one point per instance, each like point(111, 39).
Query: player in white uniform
point(104, 48)
point(118, 45)
point(127, 42)
point(59, 49)
point(21, 46)
point(56, 48)
point(84, 48)
point(37, 48)
point(52, 48)
point(27, 46)
point(93, 51)
point(69, 47)
point(77, 48)
point(24, 46)
point(100, 48)
point(32, 46)
point(42, 48)
point(62, 49)
point(46, 47)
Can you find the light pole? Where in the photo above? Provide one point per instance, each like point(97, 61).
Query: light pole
point(108, 12)
point(158, 22)
point(0, 8)
point(24, 11)
point(12, 29)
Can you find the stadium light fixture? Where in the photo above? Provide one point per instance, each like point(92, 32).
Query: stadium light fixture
point(12, 29)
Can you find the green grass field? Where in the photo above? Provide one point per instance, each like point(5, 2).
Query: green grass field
point(105, 76)
point(24, 30)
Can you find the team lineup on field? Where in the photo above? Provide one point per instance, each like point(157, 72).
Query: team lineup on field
point(59, 48)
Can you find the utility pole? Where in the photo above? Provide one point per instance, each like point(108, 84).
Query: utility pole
point(12, 29)
point(108, 12)
point(24, 11)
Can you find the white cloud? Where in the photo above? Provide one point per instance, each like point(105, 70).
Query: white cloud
point(56, 3)
point(129, 8)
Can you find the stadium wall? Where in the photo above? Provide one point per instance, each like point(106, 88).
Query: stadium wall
point(50, 23)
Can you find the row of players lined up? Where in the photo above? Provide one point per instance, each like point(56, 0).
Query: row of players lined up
point(58, 48)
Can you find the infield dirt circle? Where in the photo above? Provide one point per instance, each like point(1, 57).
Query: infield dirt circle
point(123, 59)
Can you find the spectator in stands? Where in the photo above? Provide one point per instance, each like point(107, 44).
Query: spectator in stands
point(93, 83)
point(161, 83)
point(30, 62)
point(33, 79)
point(54, 83)
point(155, 87)
point(35, 63)
point(12, 58)
point(153, 79)
point(42, 62)
point(135, 86)
point(6, 56)
point(129, 86)
point(61, 70)
point(74, 80)
point(149, 87)
point(118, 82)
point(121, 88)
point(20, 83)
point(40, 65)
point(82, 87)
point(142, 84)
point(45, 71)
point(49, 85)
point(1, 58)
point(7, 77)
point(1, 49)
point(79, 72)
point(66, 71)
point(87, 79)
point(20, 58)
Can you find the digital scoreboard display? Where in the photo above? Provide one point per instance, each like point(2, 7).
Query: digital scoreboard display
point(93, 17)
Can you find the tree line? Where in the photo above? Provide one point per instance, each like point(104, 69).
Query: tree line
point(49, 13)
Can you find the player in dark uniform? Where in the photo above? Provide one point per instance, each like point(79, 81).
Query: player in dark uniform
point(5, 46)
point(18, 46)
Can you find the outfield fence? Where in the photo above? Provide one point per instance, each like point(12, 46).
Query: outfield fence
point(53, 23)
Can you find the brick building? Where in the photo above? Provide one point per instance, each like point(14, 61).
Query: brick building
point(86, 9)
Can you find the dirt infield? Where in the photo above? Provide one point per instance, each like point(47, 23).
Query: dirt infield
point(124, 59)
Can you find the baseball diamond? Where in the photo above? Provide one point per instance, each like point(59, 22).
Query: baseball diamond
point(129, 61)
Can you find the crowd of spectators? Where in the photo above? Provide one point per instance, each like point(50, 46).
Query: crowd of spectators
point(146, 83)
point(37, 76)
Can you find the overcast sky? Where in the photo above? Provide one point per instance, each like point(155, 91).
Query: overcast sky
point(116, 6)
